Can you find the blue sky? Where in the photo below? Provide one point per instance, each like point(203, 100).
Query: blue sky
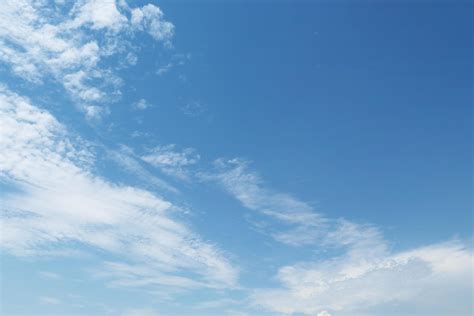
point(236, 158)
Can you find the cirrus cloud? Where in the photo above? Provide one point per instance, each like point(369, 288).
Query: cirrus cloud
point(57, 202)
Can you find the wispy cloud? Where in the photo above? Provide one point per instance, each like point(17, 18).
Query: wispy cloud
point(432, 280)
point(145, 311)
point(363, 275)
point(49, 300)
point(218, 304)
point(176, 60)
point(126, 158)
point(59, 202)
point(172, 161)
point(48, 275)
point(304, 225)
point(133, 275)
point(193, 108)
point(164, 69)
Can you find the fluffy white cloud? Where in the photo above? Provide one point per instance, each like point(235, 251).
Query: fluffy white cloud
point(150, 18)
point(58, 202)
point(40, 40)
point(99, 14)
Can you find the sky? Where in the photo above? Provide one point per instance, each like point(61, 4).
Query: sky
point(236, 158)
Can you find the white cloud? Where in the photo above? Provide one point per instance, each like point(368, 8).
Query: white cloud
point(140, 312)
point(360, 273)
point(236, 313)
point(59, 202)
point(304, 225)
point(99, 14)
point(141, 104)
point(164, 69)
point(193, 109)
point(217, 304)
point(172, 161)
point(150, 18)
point(433, 280)
point(142, 276)
point(131, 59)
point(48, 300)
point(42, 41)
point(127, 159)
point(176, 60)
point(49, 275)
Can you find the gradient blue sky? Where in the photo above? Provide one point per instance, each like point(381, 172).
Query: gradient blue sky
point(236, 158)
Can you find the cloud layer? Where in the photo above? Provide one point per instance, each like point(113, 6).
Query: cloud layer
point(56, 202)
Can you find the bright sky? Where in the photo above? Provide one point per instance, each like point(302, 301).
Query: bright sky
point(236, 158)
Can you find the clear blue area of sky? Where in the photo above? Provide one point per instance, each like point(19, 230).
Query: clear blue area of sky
point(363, 108)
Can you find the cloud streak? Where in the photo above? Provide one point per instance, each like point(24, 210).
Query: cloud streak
point(171, 161)
point(304, 226)
point(58, 202)
point(361, 275)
